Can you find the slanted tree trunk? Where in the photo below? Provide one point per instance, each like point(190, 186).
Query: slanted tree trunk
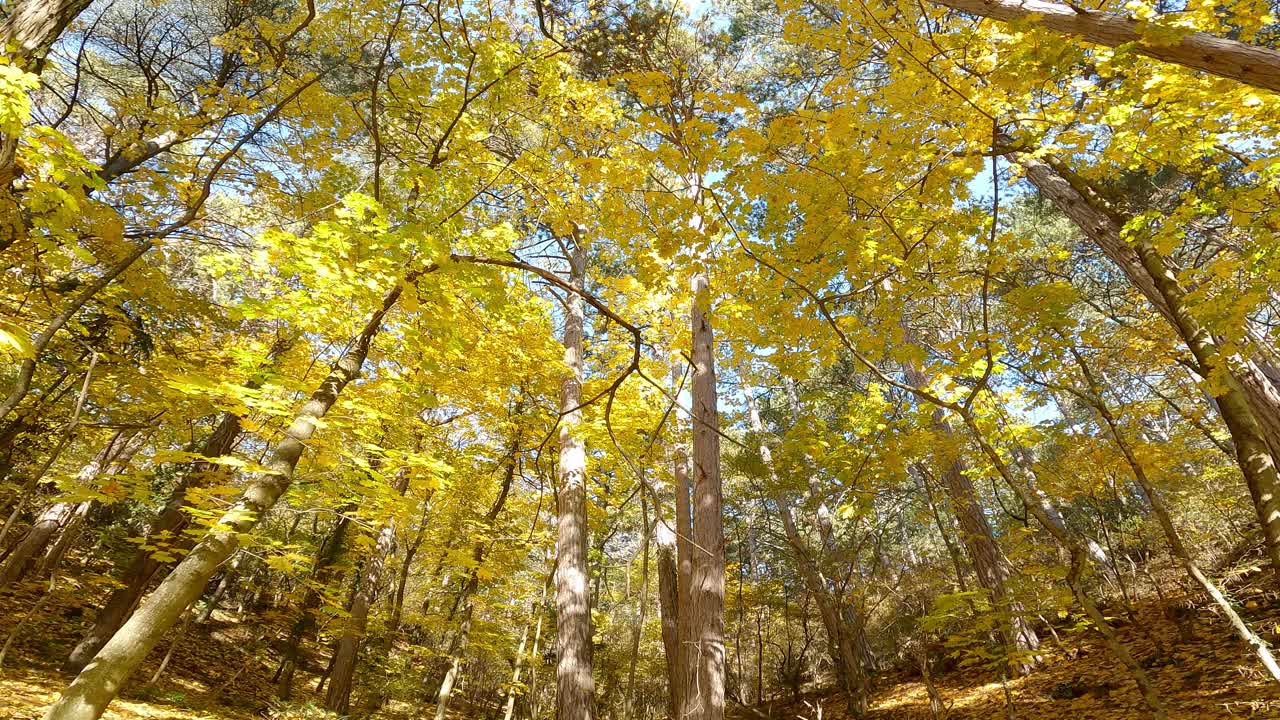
point(98, 684)
point(575, 684)
point(989, 563)
point(31, 28)
point(1079, 559)
point(1156, 278)
point(705, 689)
point(34, 25)
point(1095, 399)
point(1251, 64)
point(57, 518)
point(27, 369)
point(166, 530)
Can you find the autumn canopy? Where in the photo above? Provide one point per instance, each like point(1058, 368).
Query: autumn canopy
point(639, 359)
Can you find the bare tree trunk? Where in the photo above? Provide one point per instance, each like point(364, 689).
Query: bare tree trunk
point(937, 705)
point(575, 685)
point(989, 563)
point(34, 25)
point(1251, 64)
point(704, 699)
point(518, 665)
point(98, 684)
point(683, 612)
point(26, 35)
point(642, 605)
point(345, 655)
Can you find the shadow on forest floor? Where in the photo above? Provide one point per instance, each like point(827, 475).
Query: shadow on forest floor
point(222, 671)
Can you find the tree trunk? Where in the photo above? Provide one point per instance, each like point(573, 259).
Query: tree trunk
point(466, 599)
point(518, 665)
point(642, 606)
point(322, 574)
point(1251, 64)
point(98, 684)
point(166, 530)
point(1156, 279)
point(844, 658)
point(34, 25)
point(57, 517)
point(704, 698)
point(347, 652)
point(683, 612)
point(989, 564)
point(668, 603)
point(1172, 536)
point(575, 685)
point(1079, 558)
point(27, 370)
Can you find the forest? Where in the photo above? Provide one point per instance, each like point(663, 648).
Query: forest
point(639, 359)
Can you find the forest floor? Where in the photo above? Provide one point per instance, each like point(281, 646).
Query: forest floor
point(222, 671)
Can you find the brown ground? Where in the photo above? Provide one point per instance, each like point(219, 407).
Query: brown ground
point(222, 671)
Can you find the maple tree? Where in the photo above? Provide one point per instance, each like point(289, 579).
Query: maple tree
point(638, 359)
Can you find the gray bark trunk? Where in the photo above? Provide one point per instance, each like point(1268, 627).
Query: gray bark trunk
point(575, 684)
point(59, 517)
point(668, 604)
point(704, 697)
point(34, 25)
point(167, 528)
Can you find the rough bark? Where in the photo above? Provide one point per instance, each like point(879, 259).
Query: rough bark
point(684, 568)
point(575, 684)
point(704, 697)
point(345, 655)
point(989, 563)
point(1251, 64)
point(34, 25)
point(98, 684)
